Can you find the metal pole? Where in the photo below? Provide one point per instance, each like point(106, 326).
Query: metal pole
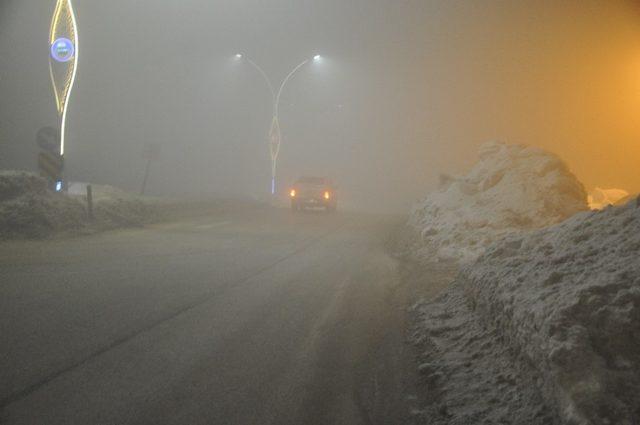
point(146, 175)
point(288, 77)
point(89, 202)
point(275, 135)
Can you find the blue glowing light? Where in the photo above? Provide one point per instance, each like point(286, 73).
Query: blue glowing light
point(58, 186)
point(62, 50)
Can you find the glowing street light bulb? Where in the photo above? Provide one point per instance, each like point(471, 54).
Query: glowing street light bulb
point(239, 56)
point(317, 58)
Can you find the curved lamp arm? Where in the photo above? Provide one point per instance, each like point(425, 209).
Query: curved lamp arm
point(277, 101)
point(266, 78)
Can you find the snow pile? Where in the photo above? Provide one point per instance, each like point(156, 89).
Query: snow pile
point(467, 376)
point(511, 188)
point(29, 209)
point(602, 198)
point(566, 299)
point(113, 207)
point(99, 191)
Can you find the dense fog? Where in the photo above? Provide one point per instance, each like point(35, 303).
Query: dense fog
point(405, 90)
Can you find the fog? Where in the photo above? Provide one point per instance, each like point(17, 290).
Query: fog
point(406, 90)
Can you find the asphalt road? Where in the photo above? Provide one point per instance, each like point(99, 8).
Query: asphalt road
point(258, 317)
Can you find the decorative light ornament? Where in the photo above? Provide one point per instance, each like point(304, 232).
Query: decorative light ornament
point(274, 147)
point(63, 61)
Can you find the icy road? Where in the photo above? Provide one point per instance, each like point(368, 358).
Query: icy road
point(262, 317)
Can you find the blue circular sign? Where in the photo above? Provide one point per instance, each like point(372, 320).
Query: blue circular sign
point(62, 50)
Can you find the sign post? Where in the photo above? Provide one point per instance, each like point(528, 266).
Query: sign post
point(150, 152)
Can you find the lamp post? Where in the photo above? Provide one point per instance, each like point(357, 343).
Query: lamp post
point(275, 135)
point(63, 63)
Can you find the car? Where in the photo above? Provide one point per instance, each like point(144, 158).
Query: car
point(313, 192)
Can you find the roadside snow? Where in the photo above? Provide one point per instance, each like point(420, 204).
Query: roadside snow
point(602, 198)
point(510, 189)
point(114, 207)
point(543, 328)
point(568, 299)
point(28, 209)
point(468, 375)
point(99, 191)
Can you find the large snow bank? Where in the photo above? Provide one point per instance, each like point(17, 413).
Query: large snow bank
point(511, 188)
point(100, 192)
point(28, 208)
point(567, 299)
point(113, 207)
point(467, 376)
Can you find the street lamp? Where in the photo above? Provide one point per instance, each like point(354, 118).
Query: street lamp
point(63, 39)
point(275, 135)
point(63, 65)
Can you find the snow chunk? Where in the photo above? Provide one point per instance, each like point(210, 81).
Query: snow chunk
point(510, 189)
point(601, 198)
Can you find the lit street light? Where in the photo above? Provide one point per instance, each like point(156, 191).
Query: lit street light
point(275, 136)
point(63, 64)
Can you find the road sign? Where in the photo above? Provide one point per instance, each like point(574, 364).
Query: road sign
point(48, 139)
point(51, 166)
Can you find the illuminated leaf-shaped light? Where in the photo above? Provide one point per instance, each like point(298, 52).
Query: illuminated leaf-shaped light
point(274, 138)
point(63, 59)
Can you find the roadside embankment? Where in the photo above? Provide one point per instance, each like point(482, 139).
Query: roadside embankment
point(512, 188)
point(567, 299)
point(28, 209)
point(541, 324)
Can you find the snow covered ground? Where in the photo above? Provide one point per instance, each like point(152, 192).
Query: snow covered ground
point(29, 209)
point(468, 375)
point(543, 328)
point(542, 323)
point(567, 298)
point(511, 188)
